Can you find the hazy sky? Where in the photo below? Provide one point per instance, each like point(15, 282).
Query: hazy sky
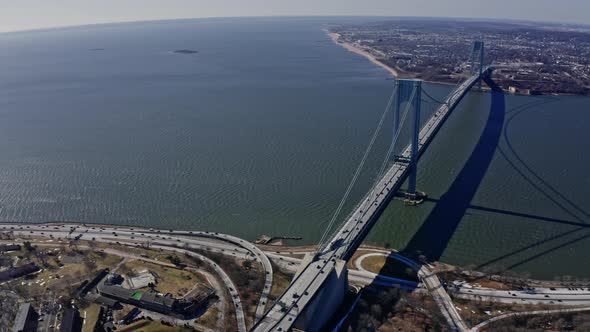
point(31, 14)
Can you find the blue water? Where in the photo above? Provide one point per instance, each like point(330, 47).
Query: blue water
point(260, 133)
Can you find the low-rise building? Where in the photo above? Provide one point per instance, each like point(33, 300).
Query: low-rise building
point(26, 319)
point(9, 247)
point(18, 271)
point(71, 321)
point(152, 301)
point(141, 280)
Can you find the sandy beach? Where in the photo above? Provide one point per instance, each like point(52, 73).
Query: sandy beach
point(335, 38)
point(350, 47)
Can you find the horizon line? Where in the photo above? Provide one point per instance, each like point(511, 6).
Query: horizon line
point(459, 18)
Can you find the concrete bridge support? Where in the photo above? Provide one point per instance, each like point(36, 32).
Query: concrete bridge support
point(409, 96)
point(476, 60)
point(415, 135)
point(322, 307)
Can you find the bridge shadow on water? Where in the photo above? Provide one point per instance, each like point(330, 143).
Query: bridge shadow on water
point(577, 213)
point(433, 236)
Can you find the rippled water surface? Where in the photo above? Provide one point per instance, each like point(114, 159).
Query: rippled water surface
point(260, 132)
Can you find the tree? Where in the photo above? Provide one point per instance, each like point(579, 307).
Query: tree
point(247, 264)
point(28, 246)
point(92, 244)
point(124, 269)
point(376, 311)
point(173, 259)
point(89, 263)
point(42, 257)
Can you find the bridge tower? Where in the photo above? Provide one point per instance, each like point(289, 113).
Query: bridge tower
point(409, 94)
point(476, 59)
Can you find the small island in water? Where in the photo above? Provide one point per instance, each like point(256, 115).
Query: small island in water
point(185, 51)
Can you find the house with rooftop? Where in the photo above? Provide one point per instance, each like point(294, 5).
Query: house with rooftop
point(110, 287)
point(26, 319)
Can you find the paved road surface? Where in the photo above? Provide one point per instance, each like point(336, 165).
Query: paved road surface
point(483, 324)
point(442, 299)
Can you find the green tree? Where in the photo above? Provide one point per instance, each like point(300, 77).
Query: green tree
point(247, 264)
point(28, 246)
point(173, 259)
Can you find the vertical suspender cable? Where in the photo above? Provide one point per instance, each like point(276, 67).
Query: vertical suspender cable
point(357, 173)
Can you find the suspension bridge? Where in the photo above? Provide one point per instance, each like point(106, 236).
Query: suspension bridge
point(319, 287)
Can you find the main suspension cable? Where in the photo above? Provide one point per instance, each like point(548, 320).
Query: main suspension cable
point(432, 98)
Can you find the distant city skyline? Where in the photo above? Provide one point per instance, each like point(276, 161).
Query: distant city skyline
point(37, 14)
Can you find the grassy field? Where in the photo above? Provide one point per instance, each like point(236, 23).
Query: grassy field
point(389, 267)
point(151, 326)
point(169, 280)
point(280, 282)
point(475, 312)
point(209, 318)
point(55, 274)
point(155, 254)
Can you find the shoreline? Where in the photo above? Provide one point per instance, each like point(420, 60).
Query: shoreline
point(334, 36)
point(294, 249)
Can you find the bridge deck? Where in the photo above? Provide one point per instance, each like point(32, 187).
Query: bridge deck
point(350, 235)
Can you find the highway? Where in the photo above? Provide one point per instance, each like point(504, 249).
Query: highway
point(539, 295)
point(483, 324)
point(546, 296)
point(219, 243)
point(442, 299)
point(431, 283)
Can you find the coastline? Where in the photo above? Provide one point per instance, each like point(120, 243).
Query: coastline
point(293, 249)
point(335, 38)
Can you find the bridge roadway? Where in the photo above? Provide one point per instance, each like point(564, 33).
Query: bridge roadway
point(283, 314)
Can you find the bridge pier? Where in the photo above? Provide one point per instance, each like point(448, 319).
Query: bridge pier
point(417, 101)
point(410, 92)
point(323, 306)
point(476, 58)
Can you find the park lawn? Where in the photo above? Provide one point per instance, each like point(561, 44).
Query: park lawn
point(155, 254)
point(209, 318)
point(280, 282)
point(151, 326)
point(108, 261)
point(67, 271)
point(169, 280)
point(71, 270)
point(389, 267)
